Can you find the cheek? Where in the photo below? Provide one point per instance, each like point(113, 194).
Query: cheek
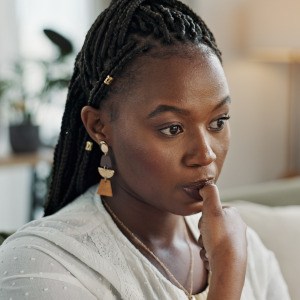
point(140, 158)
point(227, 141)
point(222, 148)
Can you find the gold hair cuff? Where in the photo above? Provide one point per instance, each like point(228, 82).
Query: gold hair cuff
point(108, 80)
point(88, 146)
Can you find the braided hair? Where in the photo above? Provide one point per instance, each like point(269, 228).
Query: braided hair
point(125, 30)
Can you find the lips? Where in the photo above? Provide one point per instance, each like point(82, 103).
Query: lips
point(193, 188)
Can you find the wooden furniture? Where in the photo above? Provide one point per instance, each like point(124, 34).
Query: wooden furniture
point(39, 166)
point(32, 159)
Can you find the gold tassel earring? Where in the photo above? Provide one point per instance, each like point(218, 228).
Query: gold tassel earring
point(105, 170)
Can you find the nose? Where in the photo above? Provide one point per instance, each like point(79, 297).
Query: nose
point(199, 151)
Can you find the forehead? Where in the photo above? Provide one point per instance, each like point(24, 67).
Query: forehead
point(200, 67)
point(178, 75)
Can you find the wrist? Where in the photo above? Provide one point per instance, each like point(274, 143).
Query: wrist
point(228, 258)
point(227, 276)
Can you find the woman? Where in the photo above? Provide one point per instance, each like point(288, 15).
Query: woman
point(149, 89)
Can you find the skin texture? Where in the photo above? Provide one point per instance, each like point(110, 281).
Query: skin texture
point(169, 134)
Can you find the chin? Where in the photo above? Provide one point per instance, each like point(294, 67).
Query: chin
point(190, 209)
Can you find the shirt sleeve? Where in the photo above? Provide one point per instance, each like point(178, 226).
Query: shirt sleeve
point(263, 271)
point(277, 288)
point(28, 273)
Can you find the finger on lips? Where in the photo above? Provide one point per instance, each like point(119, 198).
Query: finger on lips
point(211, 200)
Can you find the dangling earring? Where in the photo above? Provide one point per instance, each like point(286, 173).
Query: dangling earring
point(105, 170)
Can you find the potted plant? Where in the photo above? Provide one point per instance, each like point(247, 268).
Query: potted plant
point(23, 132)
point(23, 103)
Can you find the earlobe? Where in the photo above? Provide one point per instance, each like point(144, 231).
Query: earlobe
point(93, 123)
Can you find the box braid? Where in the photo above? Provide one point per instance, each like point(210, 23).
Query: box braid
point(125, 30)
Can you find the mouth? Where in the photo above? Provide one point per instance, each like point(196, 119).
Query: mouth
point(192, 189)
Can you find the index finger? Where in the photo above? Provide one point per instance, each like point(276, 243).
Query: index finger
point(211, 200)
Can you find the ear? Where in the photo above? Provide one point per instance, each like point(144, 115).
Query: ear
point(96, 122)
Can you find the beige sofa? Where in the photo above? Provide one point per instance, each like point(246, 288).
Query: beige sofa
point(272, 209)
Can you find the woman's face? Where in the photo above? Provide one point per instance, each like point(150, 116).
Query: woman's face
point(171, 134)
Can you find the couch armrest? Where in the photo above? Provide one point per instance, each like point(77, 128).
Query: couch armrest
point(274, 193)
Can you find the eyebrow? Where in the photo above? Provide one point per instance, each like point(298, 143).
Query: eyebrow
point(224, 101)
point(169, 108)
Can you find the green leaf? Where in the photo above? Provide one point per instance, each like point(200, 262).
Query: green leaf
point(65, 46)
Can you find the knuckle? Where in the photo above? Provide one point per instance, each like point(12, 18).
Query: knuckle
point(217, 212)
point(207, 266)
point(200, 242)
point(200, 223)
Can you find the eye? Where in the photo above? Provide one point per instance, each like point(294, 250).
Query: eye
point(219, 124)
point(172, 130)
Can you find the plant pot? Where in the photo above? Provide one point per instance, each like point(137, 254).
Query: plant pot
point(24, 138)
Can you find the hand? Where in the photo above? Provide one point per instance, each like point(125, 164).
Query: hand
point(222, 233)
point(224, 246)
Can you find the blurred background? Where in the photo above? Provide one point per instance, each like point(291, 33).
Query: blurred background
point(40, 39)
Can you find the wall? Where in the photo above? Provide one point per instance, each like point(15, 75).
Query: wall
point(96, 7)
point(8, 32)
point(297, 116)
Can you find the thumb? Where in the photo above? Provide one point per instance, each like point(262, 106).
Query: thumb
point(211, 200)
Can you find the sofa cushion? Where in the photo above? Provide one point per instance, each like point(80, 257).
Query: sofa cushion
point(279, 229)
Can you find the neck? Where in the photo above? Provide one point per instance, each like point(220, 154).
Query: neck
point(150, 224)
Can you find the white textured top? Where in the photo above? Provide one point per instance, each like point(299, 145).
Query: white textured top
point(79, 253)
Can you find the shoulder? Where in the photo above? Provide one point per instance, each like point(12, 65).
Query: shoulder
point(55, 254)
point(66, 231)
point(33, 267)
point(70, 229)
point(75, 219)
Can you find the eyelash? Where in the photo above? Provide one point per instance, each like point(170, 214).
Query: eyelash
point(222, 120)
point(169, 127)
point(180, 129)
